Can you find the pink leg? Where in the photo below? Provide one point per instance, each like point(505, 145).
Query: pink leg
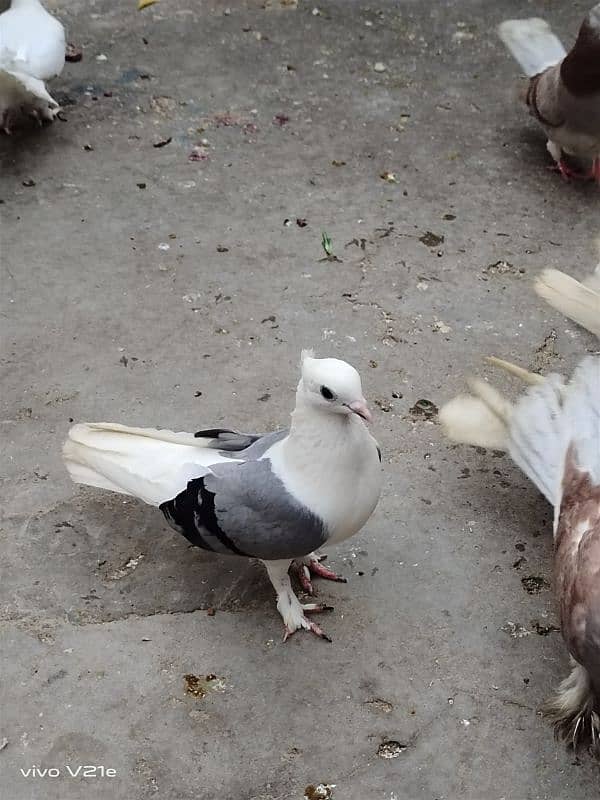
point(310, 608)
point(311, 565)
point(596, 169)
point(567, 172)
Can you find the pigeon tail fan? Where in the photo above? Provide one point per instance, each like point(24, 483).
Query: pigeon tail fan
point(532, 44)
point(153, 465)
point(480, 420)
point(582, 412)
point(578, 301)
point(538, 436)
point(527, 429)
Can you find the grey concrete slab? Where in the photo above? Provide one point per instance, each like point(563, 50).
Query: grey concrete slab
point(104, 609)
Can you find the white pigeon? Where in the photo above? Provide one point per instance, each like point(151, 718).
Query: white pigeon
point(277, 497)
point(32, 50)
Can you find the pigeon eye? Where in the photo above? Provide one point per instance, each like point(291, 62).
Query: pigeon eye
point(327, 393)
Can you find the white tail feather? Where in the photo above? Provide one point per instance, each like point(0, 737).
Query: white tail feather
point(153, 465)
point(531, 378)
point(532, 44)
point(539, 428)
point(538, 438)
point(470, 420)
point(574, 710)
point(582, 412)
point(578, 301)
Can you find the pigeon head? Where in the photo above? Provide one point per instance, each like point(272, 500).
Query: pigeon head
point(580, 69)
point(331, 385)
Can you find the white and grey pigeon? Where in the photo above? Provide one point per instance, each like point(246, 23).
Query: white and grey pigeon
point(563, 93)
point(32, 50)
point(277, 497)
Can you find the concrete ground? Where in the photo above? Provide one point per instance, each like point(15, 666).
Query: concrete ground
point(144, 287)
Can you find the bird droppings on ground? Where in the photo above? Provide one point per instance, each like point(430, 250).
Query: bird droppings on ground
point(391, 749)
point(198, 153)
point(543, 630)
point(73, 53)
point(384, 404)
point(320, 791)
point(533, 584)
point(201, 686)
point(515, 630)
point(439, 326)
point(430, 239)
point(424, 409)
point(378, 705)
point(128, 567)
point(502, 267)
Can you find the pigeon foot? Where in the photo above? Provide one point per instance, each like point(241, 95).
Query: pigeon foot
point(311, 565)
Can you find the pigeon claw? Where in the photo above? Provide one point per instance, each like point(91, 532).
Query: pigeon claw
point(308, 626)
point(304, 578)
point(311, 565)
point(316, 568)
point(300, 622)
point(569, 173)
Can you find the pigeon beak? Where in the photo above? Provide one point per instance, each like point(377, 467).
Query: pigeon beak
point(360, 407)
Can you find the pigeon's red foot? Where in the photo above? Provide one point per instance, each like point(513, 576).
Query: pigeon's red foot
point(311, 565)
point(307, 625)
point(291, 609)
point(596, 170)
point(569, 173)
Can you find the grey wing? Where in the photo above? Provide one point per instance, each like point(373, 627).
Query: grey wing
point(254, 444)
point(245, 509)
point(228, 440)
point(259, 516)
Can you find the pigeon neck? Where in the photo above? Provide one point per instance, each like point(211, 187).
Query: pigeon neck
point(580, 69)
point(321, 423)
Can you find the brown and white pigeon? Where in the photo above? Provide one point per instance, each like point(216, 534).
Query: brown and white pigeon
point(277, 496)
point(553, 434)
point(563, 93)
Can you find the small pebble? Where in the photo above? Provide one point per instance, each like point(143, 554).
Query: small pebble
point(379, 66)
